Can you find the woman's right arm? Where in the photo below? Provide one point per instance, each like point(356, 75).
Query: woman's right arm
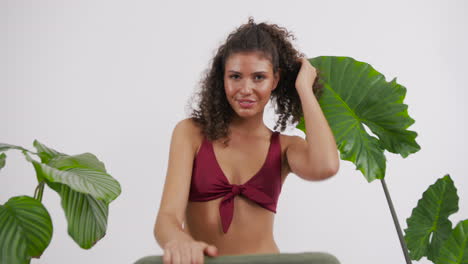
point(179, 246)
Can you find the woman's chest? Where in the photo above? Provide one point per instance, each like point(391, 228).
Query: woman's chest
point(240, 162)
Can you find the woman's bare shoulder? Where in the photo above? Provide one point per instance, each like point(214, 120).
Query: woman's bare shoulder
point(191, 131)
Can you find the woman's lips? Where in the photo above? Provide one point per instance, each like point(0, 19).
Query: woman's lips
point(246, 103)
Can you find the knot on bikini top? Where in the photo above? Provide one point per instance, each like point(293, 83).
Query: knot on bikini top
point(237, 189)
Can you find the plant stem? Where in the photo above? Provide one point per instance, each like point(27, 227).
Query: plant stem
point(39, 191)
point(395, 221)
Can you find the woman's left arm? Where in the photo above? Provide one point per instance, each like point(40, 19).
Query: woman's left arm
point(316, 157)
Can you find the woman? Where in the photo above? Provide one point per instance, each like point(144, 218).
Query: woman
point(225, 166)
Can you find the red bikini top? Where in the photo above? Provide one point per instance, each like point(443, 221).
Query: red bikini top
point(209, 182)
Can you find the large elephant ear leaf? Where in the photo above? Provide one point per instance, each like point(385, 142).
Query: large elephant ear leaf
point(428, 225)
point(25, 230)
point(356, 95)
point(455, 248)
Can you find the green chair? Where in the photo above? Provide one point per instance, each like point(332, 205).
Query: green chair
point(283, 258)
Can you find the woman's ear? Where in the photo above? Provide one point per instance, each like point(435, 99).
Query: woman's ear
point(276, 79)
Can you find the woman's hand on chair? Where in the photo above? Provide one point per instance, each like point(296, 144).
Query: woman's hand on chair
point(187, 251)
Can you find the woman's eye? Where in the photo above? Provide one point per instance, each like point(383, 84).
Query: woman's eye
point(234, 76)
point(259, 77)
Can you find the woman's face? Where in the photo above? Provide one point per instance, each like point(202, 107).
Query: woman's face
point(248, 82)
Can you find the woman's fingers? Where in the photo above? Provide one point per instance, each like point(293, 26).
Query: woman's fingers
point(210, 250)
point(175, 254)
point(191, 252)
point(185, 254)
point(306, 76)
point(167, 256)
point(197, 255)
point(172, 256)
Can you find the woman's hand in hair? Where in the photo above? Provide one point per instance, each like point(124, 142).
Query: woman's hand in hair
point(306, 76)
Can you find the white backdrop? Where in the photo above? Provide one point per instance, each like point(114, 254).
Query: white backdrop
point(114, 77)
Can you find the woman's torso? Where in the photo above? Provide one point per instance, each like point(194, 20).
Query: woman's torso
point(251, 229)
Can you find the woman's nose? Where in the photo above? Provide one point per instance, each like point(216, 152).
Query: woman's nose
point(247, 87)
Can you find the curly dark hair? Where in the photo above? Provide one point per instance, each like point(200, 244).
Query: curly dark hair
point(214, 113)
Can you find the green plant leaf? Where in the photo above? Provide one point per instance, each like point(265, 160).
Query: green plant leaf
point(86, 215)
point(4, 147)
point(83, 173)
point(2, 160)
point(98, 184)
point(85, 189)
point(356, 95)
point(428, 225)
point(46, 153)
point(455, 248)
point(25, 230)
point(85, 161)
point(64, 162)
